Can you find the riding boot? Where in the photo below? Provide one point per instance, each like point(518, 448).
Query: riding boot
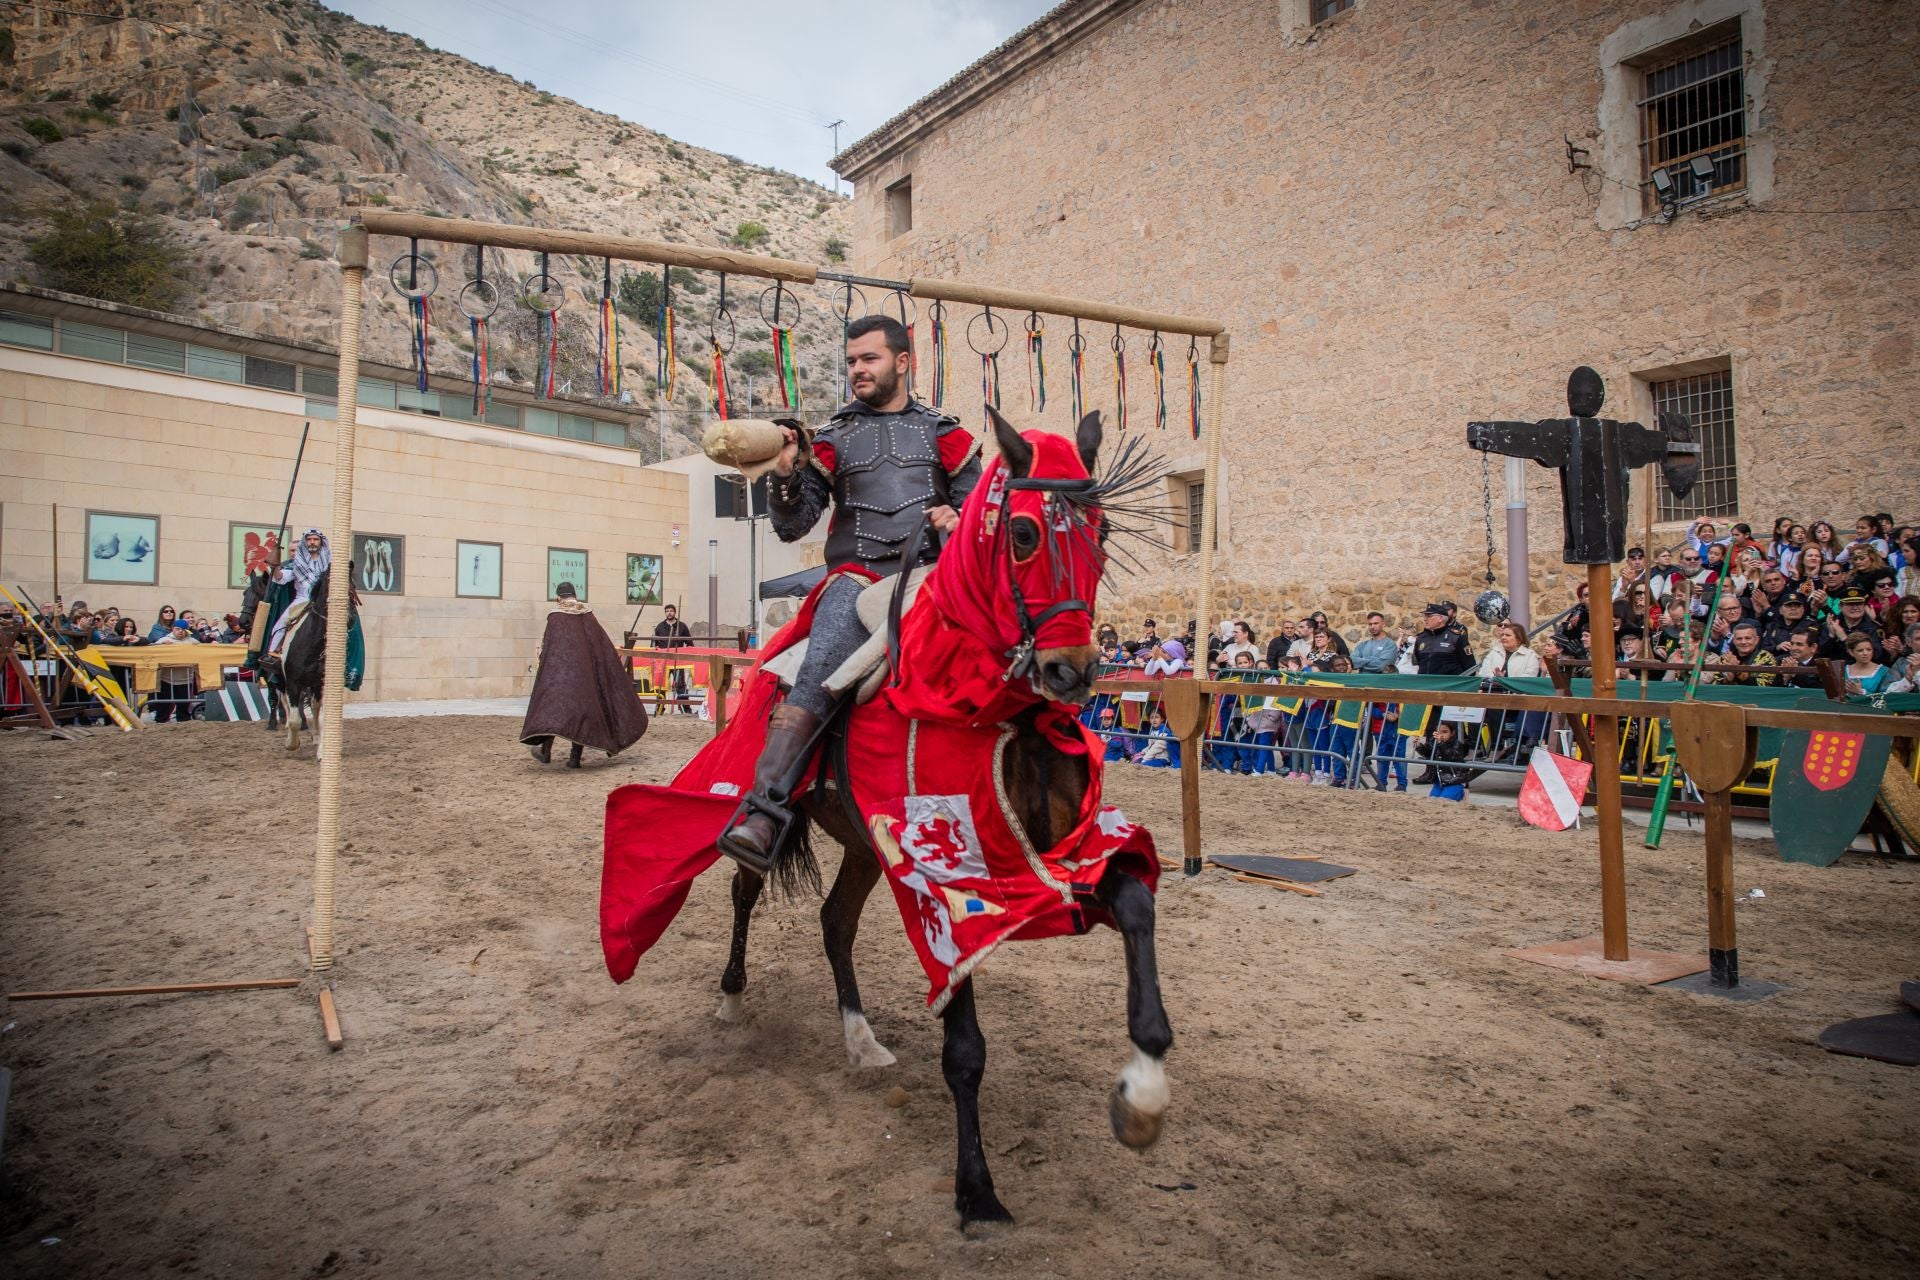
point(575, 756)
point(750, 840)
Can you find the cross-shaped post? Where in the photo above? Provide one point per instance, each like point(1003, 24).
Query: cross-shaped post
point(1594, 457)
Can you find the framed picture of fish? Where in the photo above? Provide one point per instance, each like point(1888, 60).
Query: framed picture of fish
point(123, 547)
point(250, 548)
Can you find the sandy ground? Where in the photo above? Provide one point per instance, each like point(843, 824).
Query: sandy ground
point(1364, 1085)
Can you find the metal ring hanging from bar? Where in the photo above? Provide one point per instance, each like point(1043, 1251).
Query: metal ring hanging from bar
point(541, 292)
point(994, 325)
point(414, 264)
point(909, 312)
point(783, 298)
point(479, 297)
point(722, 314)
point(844, 308)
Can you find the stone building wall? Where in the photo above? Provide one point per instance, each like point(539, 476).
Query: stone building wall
point(1380, 209)
point(198, 454)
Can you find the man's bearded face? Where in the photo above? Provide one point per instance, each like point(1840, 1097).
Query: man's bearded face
point(313, 544)
point(873, 369)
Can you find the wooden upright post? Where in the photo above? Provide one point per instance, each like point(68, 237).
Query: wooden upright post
point(1209, 512)
point(353, 262)
point(1606, 768)
point(1184, 707)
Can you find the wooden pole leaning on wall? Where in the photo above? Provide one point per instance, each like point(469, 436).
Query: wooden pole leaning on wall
point(326, 852)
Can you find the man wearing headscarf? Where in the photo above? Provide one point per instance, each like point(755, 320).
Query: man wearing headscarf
point(312, 556)
point(582, 691)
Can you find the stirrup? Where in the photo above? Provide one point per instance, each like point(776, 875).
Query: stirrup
point(782, 817)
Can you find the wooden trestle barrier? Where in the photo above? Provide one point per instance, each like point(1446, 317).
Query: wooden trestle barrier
point(1715, 742)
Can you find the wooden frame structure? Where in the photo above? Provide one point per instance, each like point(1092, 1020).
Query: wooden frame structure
point(416, 227)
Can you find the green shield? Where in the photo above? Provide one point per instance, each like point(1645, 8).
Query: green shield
point(1823, 788)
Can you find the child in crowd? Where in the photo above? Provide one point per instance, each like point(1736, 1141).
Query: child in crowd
point(1448, 745)
point(1160, 750)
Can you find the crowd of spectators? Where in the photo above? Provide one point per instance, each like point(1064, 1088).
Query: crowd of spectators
point(1747, 612)
point(81, 626)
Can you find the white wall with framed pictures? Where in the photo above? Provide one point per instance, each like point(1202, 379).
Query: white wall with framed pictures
point(122, 546)
point(566, 564)
point(644, 576)
point(476, 570)
point(380, 564)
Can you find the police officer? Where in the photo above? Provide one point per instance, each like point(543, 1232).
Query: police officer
point(883, 460)
point(1441, 649)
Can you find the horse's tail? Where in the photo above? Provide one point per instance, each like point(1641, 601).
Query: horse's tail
point(795, 869)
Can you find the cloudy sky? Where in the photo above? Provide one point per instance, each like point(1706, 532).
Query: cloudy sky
point(757, 79)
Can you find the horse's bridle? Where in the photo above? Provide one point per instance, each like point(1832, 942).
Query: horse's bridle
point(1022, 660)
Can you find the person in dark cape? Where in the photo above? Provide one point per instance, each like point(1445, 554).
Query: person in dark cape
point(582, 691)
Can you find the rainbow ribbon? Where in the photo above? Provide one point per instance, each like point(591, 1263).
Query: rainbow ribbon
point(663, 353)
point(990, 379)
point(1120, 378)
point(789, 378)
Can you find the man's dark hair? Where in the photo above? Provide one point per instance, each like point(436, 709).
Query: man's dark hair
point(565, 591)
point(887, 327)
point(1376, 614)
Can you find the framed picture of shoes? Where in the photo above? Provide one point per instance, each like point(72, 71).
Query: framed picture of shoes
point(380, 564)
point(122, 547)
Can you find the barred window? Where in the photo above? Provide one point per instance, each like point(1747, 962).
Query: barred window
point(1707, 400)
point(1694, 104)
point(1324, 9)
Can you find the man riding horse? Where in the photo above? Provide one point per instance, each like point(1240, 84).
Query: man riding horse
point(883, 460)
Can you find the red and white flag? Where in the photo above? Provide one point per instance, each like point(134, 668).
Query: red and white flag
point(1550, 797)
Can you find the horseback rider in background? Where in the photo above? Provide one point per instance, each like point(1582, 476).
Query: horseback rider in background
point(880, 462)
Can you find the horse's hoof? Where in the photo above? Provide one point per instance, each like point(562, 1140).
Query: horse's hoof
point(863, 1050)
point(1132, 1126)
point(981, 1208)
point(732, 1009)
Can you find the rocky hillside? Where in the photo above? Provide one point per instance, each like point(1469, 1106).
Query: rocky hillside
point(254, 128)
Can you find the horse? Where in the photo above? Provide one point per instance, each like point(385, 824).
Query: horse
point(301, 675)
point(258, 596)
point(1054, 525)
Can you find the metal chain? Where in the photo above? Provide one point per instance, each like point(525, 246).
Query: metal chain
point(1486, 508)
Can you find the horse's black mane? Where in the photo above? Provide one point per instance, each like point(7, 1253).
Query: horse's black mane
point(1125, 495)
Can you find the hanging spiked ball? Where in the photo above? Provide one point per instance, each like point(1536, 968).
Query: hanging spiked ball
point(1492, 606)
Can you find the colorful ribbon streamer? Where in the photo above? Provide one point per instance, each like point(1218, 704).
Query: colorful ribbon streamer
point(939, 355)
point(1120, 377)
point(1036, 364)
point(990, 379)
point(422, 340)
point(1077, 350)
point(663, 350)
point(481, 372)
point(720, 383)
point(1157, 357)
point(609, 336)
point(549, 352)
point(789, 373)
point(1193, 387)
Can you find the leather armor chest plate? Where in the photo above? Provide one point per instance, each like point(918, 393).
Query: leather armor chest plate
point(887, 471)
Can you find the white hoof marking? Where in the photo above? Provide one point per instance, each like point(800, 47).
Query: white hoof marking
point(1143, 1082)
point(732, 1009)
point(863, 1050)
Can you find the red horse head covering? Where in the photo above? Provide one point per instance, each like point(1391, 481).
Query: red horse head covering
point(1016, 549)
